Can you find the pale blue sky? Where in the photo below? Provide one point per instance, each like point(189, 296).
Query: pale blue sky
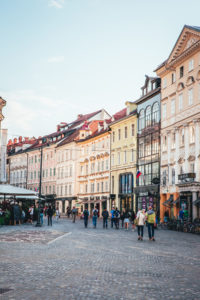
point(60, 58)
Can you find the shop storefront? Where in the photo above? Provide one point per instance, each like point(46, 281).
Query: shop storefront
point(148, 196)
point(126, 195)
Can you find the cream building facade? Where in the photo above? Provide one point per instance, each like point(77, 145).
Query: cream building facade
point(124, 157)
point(94, 168)
point(180, 125)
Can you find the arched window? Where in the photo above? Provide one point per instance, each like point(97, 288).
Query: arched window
point(155, 113)
point(141, 119)
point(148, 116)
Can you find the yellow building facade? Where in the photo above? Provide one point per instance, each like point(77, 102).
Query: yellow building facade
point(123, 157)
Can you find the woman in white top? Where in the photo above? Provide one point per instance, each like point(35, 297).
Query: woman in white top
point(57, 214)
point(141, 218)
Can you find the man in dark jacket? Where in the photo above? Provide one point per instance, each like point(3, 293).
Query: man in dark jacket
point(50, 214)
point(85, 216)
point(105, 216)
point(117, 217)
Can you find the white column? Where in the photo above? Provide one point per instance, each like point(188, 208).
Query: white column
point(177, 154)
point(186, 133)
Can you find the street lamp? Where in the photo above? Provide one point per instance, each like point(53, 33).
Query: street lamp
point(38, 224)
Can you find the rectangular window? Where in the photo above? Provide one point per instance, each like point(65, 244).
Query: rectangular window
point(102, 165)
point(173, 140)
point(191, 65)
point(190, 97)
point(119, 134)
point(173, 77)
point(118, 158)
point(102, 186)
point(192, 168)
point(107, 164)
point(132, 155)
point(98, 187)
point(173, 106)
point(180, 102)
point(54, 171)
point(125, 157)
point(125, 132)
point(113, 181)
point(173, 176)
point(181, 71)
point(164, 111)
point(113, 137)
point(132, 129)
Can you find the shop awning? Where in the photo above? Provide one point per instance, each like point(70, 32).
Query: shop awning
point(7, 189)
point(167, 202)
point(177, 200)
point(196, 201)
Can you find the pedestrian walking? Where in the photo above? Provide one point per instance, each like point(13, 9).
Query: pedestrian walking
point(151, 219)
point(57, 214)
point(141, 218)
point(112, 216)
point(117, 218)
point(132, 220)
point(74, 214)
point(86, 216)
point(41, 215)
point(31, 213)
point(17, 213)
point(94, 217)
point(50, 214)
point(105, 216)
point(126, 220)
point(122, 217)
point(68, 212)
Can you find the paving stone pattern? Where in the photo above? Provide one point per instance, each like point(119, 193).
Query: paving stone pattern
point(97, 263)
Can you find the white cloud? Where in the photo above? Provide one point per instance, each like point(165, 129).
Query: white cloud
point(27, 113)
point(56, 59)
point(57, 3)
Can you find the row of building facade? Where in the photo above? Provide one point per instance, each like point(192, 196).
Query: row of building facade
point(94, 160)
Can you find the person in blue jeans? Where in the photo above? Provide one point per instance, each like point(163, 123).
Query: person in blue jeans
point(112, 216)
point(94, 217)
point(41, 215)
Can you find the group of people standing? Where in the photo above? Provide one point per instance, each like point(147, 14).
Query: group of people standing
point(138, 220)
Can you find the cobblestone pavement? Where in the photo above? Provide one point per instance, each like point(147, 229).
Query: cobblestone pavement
point(78, 263)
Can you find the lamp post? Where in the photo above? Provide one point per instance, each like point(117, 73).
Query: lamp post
point(38, 224)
